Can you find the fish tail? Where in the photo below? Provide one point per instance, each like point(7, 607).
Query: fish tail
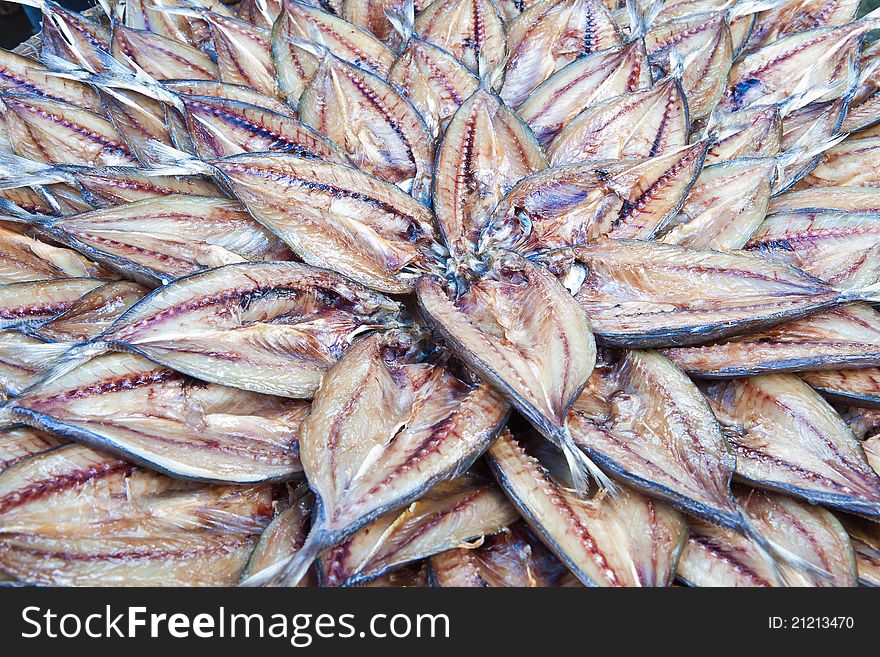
point(9, 211)
point(288, 572)
point(170, 161)
point(748, 7)
point(71, 359)
point(641, 16)
point(403, 20)
point(583, 468)
point(781, 560)
point(17, 171)
point(869, 293)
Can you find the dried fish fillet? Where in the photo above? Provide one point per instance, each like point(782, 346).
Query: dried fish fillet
point(23, 258)
point(642, 294)
point(844, 337)
point(852, 163)
point(450, 514)
point(161, 57)
point(380, 412)
point(715, 556)
point(845, 199)
point(609, 540)
point(73, 516)
point(787, 438)
point(859, 387)
point(271, 327)
point(18, 74)
point(512, 558)
point(472, 30)
point(149, 414)
point(865, 539)
point(33, 301)
point(21, 442)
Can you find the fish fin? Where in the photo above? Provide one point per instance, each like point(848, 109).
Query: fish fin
point(641, 18)
point(17, 171)
point(808, 146)
point(9, 211)
point(403, 20)
point(582, 467)
point(289, 571)
point(778, 557)
point(70, 360)
point(869, 293)
point(748, 7)
point(173, 162)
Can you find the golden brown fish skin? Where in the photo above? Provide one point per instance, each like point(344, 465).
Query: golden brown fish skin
point(579, 203)
point(648, 426)
point(322, 210)
point(843, 337)
point(725, 206)
point(588, 80)
point(547, 36)
point(434, 81)
point(472, 30)
point(359, 111)
point(161, 57)
point(716, 556)
point(838, 247)
point(73, 516)
point(855, 387)
point(610, 540)
point(706, 35)
point(485, 151)
point(23, 75)
point(183, 428)
point(787, 438)
point(645, 294)
point(639, 124)
point(452, 513)
point(55, 132)
point(439, 424)
point(514, 557)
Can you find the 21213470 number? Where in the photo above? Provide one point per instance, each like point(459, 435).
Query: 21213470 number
point(811, 623)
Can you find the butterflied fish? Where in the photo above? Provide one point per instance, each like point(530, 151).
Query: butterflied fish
point(706, 40)
point(161, 57)
point(236, 92)
point(384, 427)
point(588, 80)
point(272, 327)
point(865, 538)
point(259, 12)
point(853, 163)
point(725, 206)
point(160, 239)
point(472, 30)
point(845, 199)
point(644, 294)
point(639, 124)
point(335, 216)
point(39, 300)
point(787, 438)
point(791, 17)
point(625, 539)
point(717, 556)
point(844, 337)
point(485, 151)
point(645, 422)
point(539, 360)
point(219, 127)
point(24, 258)
point(73, 516)
point(18, 74)
point(449, 515)
point(577, 203)
point(514, 557)
point(434, 81)
point(34, 347)
point(71, 36)
point(838, 247)
point(52, 131)
point(128, 405)
point(372, 15)
point(373, 122)
point(547, 36)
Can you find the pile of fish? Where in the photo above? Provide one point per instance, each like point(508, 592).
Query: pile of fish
point(453, 293)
